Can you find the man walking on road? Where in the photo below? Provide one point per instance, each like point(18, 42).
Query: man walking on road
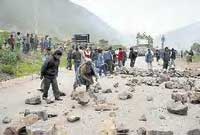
point(76, 56)
point(69, 59)
point(172, 58)
point(149, 59)
point(166, 58)
point(49, 73)
point(132, 57)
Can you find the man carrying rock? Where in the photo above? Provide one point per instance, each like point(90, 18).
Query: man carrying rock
point(49, 72)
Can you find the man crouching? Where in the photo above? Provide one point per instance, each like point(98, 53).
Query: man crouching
point(49, 73)
point(85, 74)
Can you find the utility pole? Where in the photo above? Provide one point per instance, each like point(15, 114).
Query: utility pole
point(162, 41)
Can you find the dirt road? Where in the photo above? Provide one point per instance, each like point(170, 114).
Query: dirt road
point(12, 104)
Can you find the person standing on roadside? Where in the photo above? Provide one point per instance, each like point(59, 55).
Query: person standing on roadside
point(120, 57)
point(149, 59)
point(124, 57)
point(132, 57)
point(11, 42)
point(166, 58)
point(76, 56)
point(172, 58)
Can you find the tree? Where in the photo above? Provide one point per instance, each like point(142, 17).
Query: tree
point(196, 47)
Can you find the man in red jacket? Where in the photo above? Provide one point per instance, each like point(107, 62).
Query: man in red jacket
point(120, 57)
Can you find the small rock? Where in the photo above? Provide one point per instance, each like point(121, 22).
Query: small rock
point(143, 118)
point(121, 130)
point(183, 97)
point(73, 106)
point(123, 76)
point(42, 115)
point(33, 101)
point(73, 118)
point(195, 98)
point(162, 117)
point(52, 115)
point(164, 78)
point(169, 85)
point(116, 85)
point(105, 107)
point(107, 91)
point(154, 132)
point(27, 112)
point(49, 101)
point(194, 132)
point(125, 95)
point(112, 114)
point(41, 128)
point(177, 108)
point(149, 98)
point(98, 86)
point(141, 131)
point(6, 120)
point(82, 97)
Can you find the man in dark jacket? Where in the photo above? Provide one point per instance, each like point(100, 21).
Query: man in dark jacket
point(69, 59)
point(132, 57)
point(76, 56)
point(166, 58)
point(172, 58)
point(49, 73)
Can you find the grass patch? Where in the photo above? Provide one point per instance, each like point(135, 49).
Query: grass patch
point(196, 58)
point(17, 64)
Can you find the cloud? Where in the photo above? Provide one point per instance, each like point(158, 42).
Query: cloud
point(153, 16)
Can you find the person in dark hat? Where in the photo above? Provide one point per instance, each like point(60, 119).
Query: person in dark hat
point(49, 73)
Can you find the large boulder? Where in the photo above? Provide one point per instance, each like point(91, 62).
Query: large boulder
point(177, 108)
point(34, 100)
point(18, 126)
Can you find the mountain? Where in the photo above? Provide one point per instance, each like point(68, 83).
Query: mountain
point(60, 18)
point(182, 38)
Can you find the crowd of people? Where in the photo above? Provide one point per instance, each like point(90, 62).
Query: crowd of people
point(27, 42)
point(94, 63)
point(88, 63)
point(168, 56)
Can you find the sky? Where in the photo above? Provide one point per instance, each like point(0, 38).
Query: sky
point(151, 16)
